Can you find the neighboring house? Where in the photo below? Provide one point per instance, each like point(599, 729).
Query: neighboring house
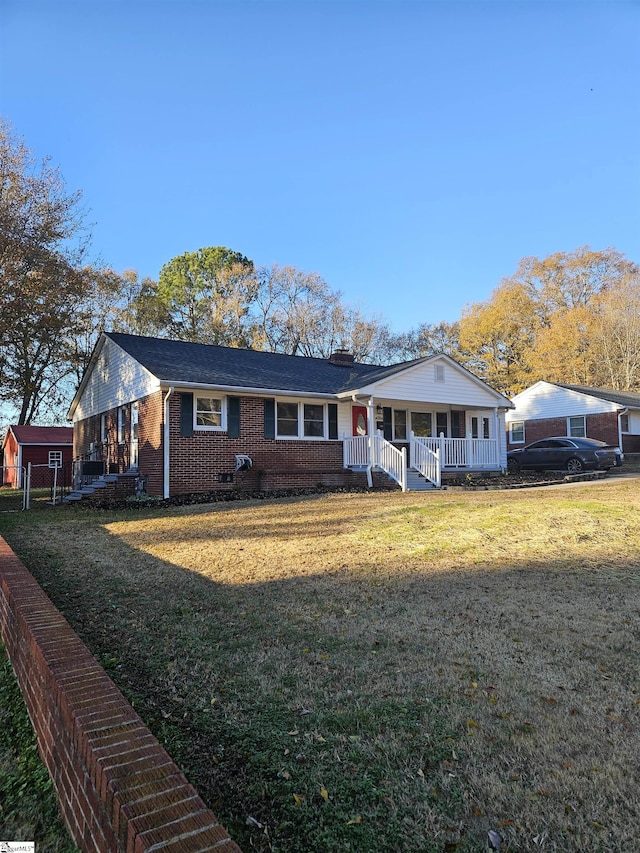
point(550, 408)
point(193, 417)
point(49, 446)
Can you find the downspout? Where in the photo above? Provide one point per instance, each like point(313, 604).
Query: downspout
point(501, 439)
point(165, 444)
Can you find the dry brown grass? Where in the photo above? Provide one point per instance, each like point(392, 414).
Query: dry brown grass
point(469, 661)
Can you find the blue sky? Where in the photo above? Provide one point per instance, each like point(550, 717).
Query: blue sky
point(410, 152)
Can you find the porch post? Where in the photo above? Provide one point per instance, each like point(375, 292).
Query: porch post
point(373, 454)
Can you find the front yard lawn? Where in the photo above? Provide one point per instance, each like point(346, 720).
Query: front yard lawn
point(375, 672)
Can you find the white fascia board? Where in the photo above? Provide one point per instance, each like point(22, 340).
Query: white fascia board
point(239, 390)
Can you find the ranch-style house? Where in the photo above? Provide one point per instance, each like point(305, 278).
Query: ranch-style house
point(194, 418)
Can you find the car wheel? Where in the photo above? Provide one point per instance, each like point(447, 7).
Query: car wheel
point(512, 466)
point(575, 466)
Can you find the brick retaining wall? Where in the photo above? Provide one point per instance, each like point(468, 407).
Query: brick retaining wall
point(119, 790)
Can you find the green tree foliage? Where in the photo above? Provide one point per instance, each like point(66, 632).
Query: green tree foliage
point(203, 291)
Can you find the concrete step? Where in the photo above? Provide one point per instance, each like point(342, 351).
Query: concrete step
point(417, 483)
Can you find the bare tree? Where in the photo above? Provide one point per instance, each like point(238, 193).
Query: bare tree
point(43, 243)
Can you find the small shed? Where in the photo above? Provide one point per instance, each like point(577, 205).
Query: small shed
point(40, 445)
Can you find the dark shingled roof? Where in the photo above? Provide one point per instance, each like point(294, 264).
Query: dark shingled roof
point(203, 364)
point(622, 398)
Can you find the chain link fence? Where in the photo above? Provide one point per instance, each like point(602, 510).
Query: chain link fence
point(36, 485)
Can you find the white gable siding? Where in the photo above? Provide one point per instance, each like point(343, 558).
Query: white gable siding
point(419, 384)
point(115, 379)
point(545, 400)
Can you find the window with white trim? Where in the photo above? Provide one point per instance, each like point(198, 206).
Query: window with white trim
point(313, 420)
point(103, 427)
point(516, 432)
point(576, 426)
point(624, 423)
point(208, 412)
point(55, 459)
point(301, 420)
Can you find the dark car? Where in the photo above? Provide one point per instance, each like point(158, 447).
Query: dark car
point(564, 453)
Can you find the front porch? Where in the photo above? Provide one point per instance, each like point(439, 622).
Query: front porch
point(430, 457)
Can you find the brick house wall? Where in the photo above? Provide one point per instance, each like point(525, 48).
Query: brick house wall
point(602, 426)
point(198, 461)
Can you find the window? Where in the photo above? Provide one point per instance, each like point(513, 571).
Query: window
point(438, 372)
point(208, 413)
point(485, 428)
point(399, 425)
point(442, 424)
point(576, 427)
point(313, 420)
point(121, 423)
point(103, 427)
point(306, 420)
point(55, 459)
point(421, 424)
point(287, 420)
point(516, 432)
point(624, 423)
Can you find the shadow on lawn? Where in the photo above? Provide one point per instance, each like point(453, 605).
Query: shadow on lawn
point(367, 683)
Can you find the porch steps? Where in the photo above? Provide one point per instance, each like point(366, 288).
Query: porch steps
point(101, 483)
point(417, 483)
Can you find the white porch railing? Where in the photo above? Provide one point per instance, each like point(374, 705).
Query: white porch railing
point(426, 461)
point(464, 452)
point(373, 451)
point(429, 456)
point(355, 452)
point(392, 461)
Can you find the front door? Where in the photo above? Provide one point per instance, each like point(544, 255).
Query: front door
point(134, 436)
point(359, 420)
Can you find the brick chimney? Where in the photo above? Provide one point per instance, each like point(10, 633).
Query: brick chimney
point(341, 357)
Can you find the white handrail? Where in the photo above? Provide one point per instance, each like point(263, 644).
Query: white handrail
point(392, 461)
point(426, 461)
